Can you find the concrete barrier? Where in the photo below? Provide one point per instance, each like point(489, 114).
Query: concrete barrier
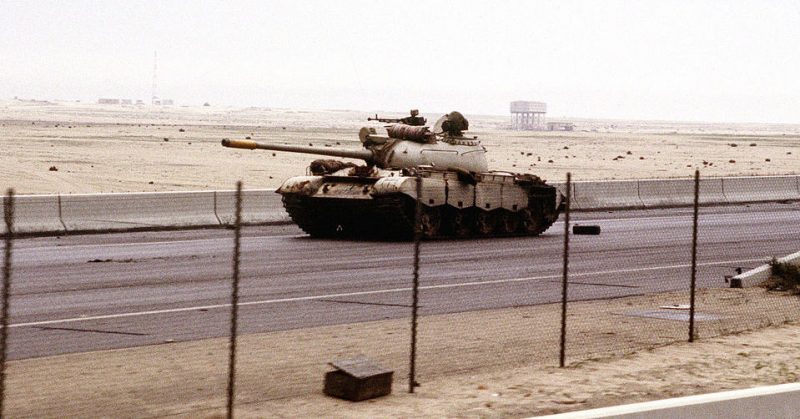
point(100, 212)
point(121, 211)
point(760, 274)
point(780, 401)
point(606, 195)
point(35, 213)
point(258, 206)
point(762, 188)
point(680, 192)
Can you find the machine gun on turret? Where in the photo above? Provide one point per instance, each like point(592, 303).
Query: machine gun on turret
point(414, 119)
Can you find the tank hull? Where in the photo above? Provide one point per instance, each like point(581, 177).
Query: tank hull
point(383, 207)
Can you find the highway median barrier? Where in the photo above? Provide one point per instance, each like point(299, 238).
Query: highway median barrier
point(259, 206)
point(606, 195)
point(36, 213)
point(54, 214)
point(680, 192)
point(131, 211)
point(761, 188)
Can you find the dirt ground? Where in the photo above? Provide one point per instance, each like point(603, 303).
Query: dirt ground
point(106, 148)
point(494, 363)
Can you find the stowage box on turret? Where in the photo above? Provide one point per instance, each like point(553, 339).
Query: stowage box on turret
point(460, 196)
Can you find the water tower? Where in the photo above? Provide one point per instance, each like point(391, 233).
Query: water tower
point(527, 115)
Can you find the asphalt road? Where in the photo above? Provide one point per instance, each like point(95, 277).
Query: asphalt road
point(91, 292)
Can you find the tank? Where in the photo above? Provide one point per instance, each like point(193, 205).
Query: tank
point(459, 196)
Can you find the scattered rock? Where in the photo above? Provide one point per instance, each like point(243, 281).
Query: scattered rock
point(566, 148)
point(310, 144)
point(181, 130)
point(641, 158)
point(628, 152)
point(731, 161)
point(733, 145)
point(166, 139)
point(549, 161)
point(767, 160)
point(753, 144)
point(53, 169)
point(247, 138)
point(150, 183)
point(273, 154)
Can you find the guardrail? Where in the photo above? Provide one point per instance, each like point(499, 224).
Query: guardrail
point(55, 214)
point(779, 401)
point(760, 274)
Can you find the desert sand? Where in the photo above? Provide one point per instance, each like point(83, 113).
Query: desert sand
point(107, 148)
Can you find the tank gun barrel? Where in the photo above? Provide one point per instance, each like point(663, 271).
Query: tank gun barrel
point(365, 155)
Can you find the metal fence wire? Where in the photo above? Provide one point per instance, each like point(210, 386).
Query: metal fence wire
point(427, 311)
point(8, 219)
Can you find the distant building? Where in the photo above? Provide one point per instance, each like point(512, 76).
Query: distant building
point(167, 102)
point(126, 102)
point(527, 115)
point(560, 126)
point(107, 101)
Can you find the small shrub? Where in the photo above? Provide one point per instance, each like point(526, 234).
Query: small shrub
point(785, 276)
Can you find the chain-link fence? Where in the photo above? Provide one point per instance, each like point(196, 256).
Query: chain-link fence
point(152, 334)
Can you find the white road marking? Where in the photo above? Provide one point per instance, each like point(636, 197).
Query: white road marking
point(147, 243)
point(374, 292)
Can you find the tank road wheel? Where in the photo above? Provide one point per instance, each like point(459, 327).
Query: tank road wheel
point(531, 222)
point(459, 223)
point(431, 221)
point(485, 223)
point(508, 222)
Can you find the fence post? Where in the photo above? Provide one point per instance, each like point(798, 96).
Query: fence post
point(237, 236)
point(694, 254)
point(8, 215)
point(563, 351)
point(412, 382)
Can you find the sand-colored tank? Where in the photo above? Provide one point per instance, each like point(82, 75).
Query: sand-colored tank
point(460, 196)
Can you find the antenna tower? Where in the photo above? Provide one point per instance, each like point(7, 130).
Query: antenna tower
point(154, 99)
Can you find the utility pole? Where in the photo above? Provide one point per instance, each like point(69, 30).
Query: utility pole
point(154, 100)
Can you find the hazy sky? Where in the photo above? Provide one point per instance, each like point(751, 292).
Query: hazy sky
point(735, 61)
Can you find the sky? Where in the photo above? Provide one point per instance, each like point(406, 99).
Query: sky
point(716, 61)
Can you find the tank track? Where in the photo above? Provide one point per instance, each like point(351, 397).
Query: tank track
point(392, 218)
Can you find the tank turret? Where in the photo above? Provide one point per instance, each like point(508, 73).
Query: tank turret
point(458, 194)
point(403, 147)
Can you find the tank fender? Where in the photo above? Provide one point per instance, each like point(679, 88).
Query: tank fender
point(390, 185)
point(434, 189)
point(303, 185)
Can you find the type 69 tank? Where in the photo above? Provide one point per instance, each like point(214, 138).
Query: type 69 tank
point(459, 196)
